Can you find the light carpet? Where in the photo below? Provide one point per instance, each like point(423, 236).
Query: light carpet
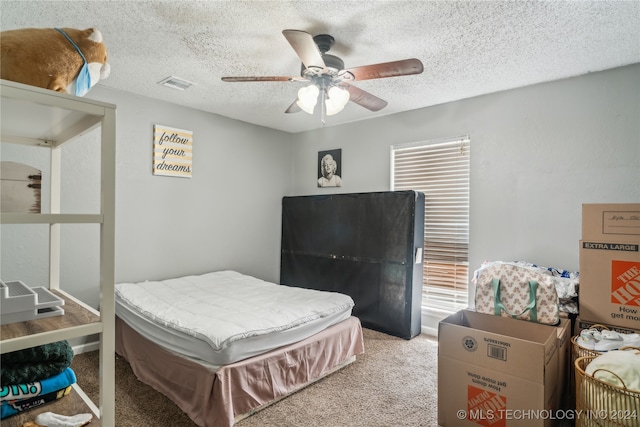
point(394, 383)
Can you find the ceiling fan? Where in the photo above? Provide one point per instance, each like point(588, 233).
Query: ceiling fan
point(330, 81)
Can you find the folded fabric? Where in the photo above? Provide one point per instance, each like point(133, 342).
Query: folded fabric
point(620, 368)
point(37, 388)
point(12, 407)
point(35, 363)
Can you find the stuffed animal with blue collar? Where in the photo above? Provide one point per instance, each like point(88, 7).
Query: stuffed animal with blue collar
point(66, 60)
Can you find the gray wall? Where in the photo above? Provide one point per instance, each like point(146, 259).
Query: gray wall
point(227, 216)
point(537, 154)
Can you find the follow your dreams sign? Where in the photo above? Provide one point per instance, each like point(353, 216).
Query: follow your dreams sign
point(172, 151)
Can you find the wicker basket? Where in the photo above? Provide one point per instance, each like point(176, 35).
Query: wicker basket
point(600, 404)
point(576, 352)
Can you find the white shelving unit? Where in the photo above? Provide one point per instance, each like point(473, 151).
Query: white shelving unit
point(44, 118)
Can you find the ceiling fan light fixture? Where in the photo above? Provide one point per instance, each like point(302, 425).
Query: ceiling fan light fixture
point(337, 98)
point(308, 98)
point(332, 108)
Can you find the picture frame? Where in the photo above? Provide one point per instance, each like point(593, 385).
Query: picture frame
point(172, 151)
point(330, 168)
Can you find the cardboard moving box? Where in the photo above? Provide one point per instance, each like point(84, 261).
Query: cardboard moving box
point(610, 282)
point(499, 371)
point(610, 264)
point(611, 222)
point(564, 360)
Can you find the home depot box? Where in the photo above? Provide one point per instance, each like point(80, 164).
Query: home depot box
point(610, 282)
point(611, 222)
point(497, 371)
point(564, 358)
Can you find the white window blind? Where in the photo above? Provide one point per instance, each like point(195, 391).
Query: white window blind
point(440, 170)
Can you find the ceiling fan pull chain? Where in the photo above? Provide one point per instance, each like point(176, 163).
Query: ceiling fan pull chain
point(323, 109)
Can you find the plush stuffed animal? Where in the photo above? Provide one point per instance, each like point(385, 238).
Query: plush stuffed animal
point(62, 59)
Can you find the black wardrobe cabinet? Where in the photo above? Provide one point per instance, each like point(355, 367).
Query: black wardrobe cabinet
point(366, 245)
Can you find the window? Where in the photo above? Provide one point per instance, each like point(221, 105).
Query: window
point(440, 170)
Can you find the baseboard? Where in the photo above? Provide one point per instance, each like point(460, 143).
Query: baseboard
point(431, 332)
point(86, 347)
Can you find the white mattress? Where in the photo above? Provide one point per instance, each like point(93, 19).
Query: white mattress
point(223, 317)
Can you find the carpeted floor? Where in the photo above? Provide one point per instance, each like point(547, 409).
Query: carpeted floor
point(393, 384)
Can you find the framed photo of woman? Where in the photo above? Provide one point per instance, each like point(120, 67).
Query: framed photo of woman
point(330, 168)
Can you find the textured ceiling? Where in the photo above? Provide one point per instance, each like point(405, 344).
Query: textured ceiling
point(467, 48)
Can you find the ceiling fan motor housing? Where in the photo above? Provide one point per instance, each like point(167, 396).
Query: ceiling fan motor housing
point(324, 42)
point(333, 63)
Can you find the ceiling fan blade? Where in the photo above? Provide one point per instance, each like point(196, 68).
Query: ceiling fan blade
point(302, 42)
point(263, 79)
point(293, 108)
point(365, 99)
point(387, 69)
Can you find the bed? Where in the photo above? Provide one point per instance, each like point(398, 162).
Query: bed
point(224, 345)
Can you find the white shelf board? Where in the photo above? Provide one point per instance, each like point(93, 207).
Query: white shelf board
point(34, 340)
point(35, 218)
point(36, 116)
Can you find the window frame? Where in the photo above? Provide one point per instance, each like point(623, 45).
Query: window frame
point(445, 264)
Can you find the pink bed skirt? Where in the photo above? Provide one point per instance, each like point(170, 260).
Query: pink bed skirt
point(217, 399)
